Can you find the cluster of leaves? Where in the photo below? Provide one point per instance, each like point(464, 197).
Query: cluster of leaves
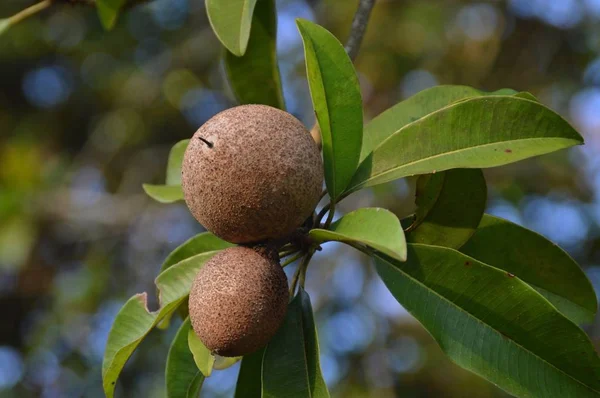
point(499, 299)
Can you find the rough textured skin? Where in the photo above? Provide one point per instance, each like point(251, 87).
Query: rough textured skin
point(258, 175)
point(238, 301)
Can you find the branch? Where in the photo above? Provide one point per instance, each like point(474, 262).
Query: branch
point(15, 19)
point(359, 26)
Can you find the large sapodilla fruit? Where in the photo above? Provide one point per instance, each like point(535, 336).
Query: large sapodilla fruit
point(252, 173)
point(238, 301)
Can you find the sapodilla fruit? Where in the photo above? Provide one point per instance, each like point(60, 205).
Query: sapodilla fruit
point(238, 301)
point(252, 173)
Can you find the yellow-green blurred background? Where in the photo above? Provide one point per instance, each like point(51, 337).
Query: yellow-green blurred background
point(87, 116)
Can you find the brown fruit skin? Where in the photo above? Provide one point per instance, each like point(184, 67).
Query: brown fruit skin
point(238, 301)
point(260, 180)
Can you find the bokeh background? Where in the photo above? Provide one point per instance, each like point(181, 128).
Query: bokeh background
point(87, 116)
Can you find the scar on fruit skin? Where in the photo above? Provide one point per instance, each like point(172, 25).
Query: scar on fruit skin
point(508, 150)
point(208, 143)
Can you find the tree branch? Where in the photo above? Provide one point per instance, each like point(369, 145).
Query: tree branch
point(26, 13)
point(359, 26)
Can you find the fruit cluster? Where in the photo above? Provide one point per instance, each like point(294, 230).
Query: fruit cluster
point(251, 175)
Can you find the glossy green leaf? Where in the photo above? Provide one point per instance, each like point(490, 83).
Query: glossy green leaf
point(475, 133)
point(202, 357)
point(175, 161)
point(427, 192)
point(413, 109)
point(494, 324)
point(183, 380)
point(311, 342)
point(225, 362)
point(231, 21)
point(337, 103)
point(249, 379)
point(291, 361)
point(377, 228)
point(201, 243)
point(452, 218)
point(254, 77)
point(134, 321)
point(4, 25)
point(164, 193)
point(537, 261)
point(108, 11)
point(171, 191)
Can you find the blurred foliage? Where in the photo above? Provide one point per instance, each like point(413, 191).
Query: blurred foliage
point(87, 116)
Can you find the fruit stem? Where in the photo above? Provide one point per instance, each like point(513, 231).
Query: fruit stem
point(305, 267)
point(330, 216)
point(322, 213)
point(300, 274)
point(291, 260)
point(288, 252)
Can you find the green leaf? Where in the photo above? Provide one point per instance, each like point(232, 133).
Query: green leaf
point(231, 21)
point(254, 77)
point(171, 192)
point(452, 218)
point(201, 243)
point(474, 133)
point(134, 321)
point(164, 193)
point(537, 261)
point(225, 362)
point(311, 341)
point(175, 161)
point(202, 357)
point(4, 25)
point(108, 11)
point(183, 380)
point(427, 192)
point(290, 365)
point(413, 109)
point(377, 228)
point(337, 102)
point(249, 379)
point(493, 324)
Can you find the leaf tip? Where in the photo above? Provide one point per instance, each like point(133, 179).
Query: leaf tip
point(4, 25)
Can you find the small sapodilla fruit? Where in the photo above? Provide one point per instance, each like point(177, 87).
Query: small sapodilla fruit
point(238, 300)
point(252, 173)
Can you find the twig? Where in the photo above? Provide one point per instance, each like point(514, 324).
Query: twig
point(291, 260)
point(288, 252)
point(305, 267)
point(359, 26)
point(330, 215)
point(322, 213)
point(29, 11)
point(300, 273)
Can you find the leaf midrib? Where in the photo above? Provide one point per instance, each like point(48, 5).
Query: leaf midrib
point(468, 314)
point(347, 239)
point(412, 163)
